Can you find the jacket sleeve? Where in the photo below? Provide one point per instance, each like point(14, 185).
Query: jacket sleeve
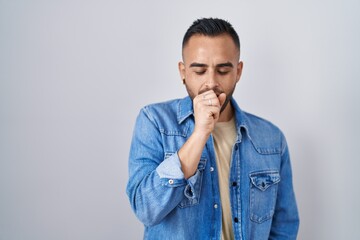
point(156, 184)
point(285, 223)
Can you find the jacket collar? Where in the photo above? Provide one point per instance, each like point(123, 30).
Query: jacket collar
point(185, 110)
point(241, 120)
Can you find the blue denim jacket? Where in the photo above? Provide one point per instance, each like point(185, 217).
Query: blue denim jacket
point(263, 203)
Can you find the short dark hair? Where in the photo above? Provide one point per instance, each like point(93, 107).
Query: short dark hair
point(211, 27)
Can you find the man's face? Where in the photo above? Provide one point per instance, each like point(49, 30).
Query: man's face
point(210, 63)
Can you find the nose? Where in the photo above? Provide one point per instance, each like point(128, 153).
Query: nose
point(211, 81)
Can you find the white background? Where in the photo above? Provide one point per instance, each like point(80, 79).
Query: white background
point(74, 75)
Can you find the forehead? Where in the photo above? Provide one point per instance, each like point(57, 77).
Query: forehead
point(205, 48)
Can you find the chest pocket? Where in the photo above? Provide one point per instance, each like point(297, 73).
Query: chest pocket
point(263, 193)
point(192, 194)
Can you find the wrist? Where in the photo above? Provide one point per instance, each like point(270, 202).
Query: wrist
point(201, 135)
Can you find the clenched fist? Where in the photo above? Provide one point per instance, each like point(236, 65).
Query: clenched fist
point(207, 107)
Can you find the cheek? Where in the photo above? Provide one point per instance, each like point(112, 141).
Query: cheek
point(229, 85)
point(194, 81)
point(191, 88)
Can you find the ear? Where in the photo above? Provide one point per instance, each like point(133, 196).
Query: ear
point(181, 67)
point(239, 71)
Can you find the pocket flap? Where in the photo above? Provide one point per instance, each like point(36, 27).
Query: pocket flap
point(263, 180)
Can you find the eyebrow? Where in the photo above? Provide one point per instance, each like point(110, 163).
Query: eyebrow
point(227, 64)
point(195, 64)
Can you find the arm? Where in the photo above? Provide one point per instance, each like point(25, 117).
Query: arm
point(285, 223)
point(156, 185)
point(205, 118)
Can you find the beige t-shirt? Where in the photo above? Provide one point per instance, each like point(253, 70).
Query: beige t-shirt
point(224, 135)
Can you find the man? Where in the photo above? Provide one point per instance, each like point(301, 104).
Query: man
point(200, 167)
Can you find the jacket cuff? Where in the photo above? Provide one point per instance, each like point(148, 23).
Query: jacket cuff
point(170, 168)
point(189, 191)
point(171, 174)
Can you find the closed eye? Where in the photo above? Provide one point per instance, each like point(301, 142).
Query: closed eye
point(200, 72)
point(223, 72)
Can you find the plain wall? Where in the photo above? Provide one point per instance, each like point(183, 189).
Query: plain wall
point(74, 75)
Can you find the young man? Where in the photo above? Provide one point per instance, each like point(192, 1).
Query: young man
point(200, 167)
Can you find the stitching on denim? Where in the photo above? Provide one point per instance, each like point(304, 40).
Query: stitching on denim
point(253, 187)
point(175, 133)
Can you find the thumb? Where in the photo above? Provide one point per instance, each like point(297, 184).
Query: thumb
point(222, 99)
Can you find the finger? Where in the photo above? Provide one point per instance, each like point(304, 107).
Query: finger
point(214, 101)
point(205, 92)
point(213, 111)
point(208, 102)
point(203, 96)
point(222, 98)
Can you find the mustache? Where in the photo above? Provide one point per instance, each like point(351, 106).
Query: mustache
point(216, 90)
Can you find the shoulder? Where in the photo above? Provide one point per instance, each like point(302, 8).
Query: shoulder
point(254, 124)
point(258, 123)
point(266, 136)
point(162, 114)
point(166, 108)
point(163, 106)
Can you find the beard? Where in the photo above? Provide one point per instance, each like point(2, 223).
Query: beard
point(216, 90)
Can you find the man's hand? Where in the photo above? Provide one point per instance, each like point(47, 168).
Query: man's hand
point(207, 111)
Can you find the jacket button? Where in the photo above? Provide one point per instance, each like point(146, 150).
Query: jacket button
point(234, 184)
point(171, 181)
point(236, 220)
point(211, 169)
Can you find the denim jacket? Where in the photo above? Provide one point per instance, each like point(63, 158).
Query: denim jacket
point(262, 199)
